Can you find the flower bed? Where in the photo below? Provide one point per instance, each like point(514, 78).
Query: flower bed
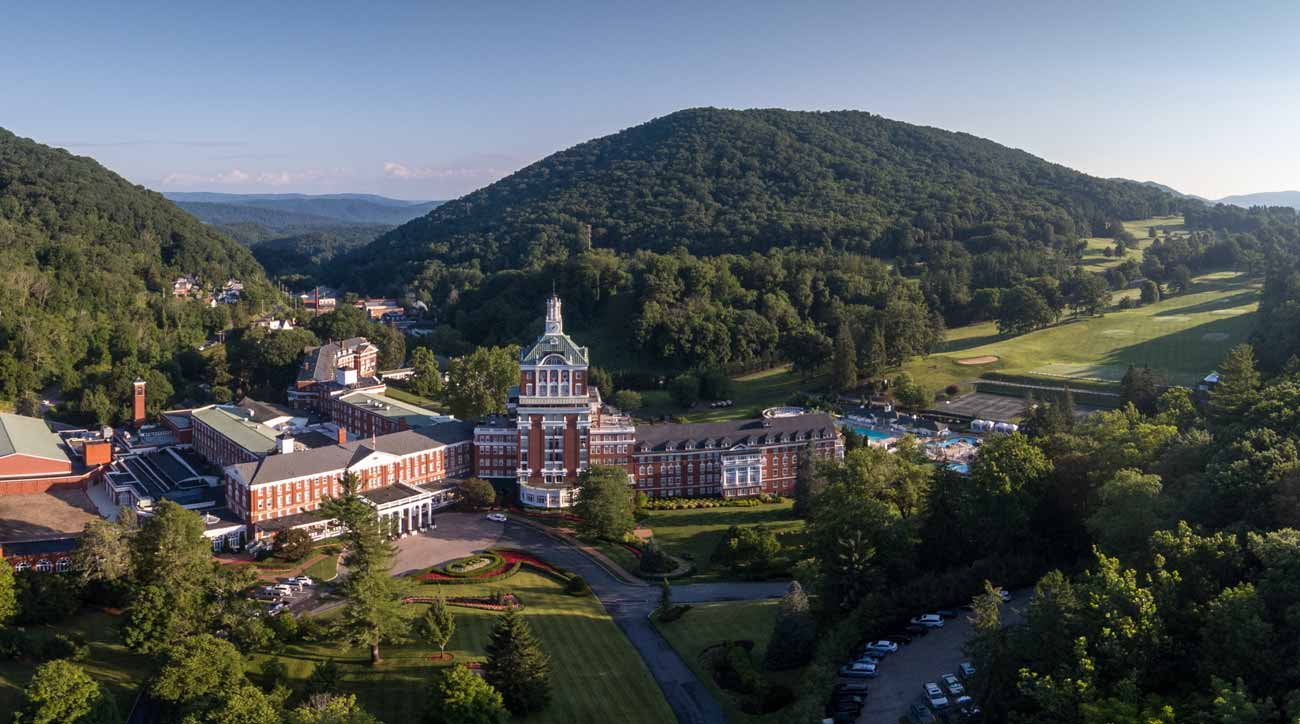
point(523, 558)
point(694, 503)
point(505, 570)
point(475, 566)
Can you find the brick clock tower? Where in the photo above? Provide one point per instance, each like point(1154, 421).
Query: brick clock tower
point(137, 402)
point(554, 415)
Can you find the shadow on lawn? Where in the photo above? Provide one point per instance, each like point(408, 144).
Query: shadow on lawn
point(1175, 354)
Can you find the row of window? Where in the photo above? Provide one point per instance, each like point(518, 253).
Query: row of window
point(62, 565)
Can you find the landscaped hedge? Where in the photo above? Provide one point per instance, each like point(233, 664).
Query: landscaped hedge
point(459, 567)
point(460, 580)
point(693, 503)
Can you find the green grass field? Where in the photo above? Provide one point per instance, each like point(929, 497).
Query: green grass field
point(109, 662)
point(694, 534)
point(402, 395)
point(752, 393)
point(711, 623)
point(596, 674)
point(1184, 336)
point(1095, 260)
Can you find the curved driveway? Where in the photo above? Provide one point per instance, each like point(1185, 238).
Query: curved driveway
point(460, 534)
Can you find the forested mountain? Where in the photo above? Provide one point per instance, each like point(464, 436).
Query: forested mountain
point(688, 221)
point(1171, 190)
point(1266, 198)
point(278, 210)
point(717, 181)
point(86, 265)
point(302, 258)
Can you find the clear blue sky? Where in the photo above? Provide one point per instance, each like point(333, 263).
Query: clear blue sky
point(425, 100)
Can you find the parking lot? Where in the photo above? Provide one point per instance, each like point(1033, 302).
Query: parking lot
point(903, 674)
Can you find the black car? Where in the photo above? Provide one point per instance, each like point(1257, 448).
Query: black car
point(851, 688)
point(917, 630)
point(900, 637)
point(855, 698)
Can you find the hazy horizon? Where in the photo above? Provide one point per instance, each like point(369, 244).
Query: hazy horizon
point(420, 102)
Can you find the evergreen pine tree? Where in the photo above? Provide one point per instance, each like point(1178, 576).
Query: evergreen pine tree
point(791, 644)
point(1238, 387)
point(516, 665)
point(844, 361)
point(805, 483)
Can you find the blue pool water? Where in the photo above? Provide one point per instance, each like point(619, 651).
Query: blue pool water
point(872, 434)
point(962, 468)
point(949, 441)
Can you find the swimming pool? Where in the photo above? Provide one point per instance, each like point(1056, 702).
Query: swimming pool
point(872, 434)
point(950, 441)
point(962, 468)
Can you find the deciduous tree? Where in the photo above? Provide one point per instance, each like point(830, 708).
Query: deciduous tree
point(604, 503)
point(437, 625)
point(60, 692)
point(459, 696)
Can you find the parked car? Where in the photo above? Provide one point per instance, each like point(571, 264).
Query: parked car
point(883, 646)
point(967, 709)
point(858, 670)
point(917, 629)
point(846, 705)
point(868, 659)
point(966, 670)
point(855, 687)
point(1004, 595)
point(929, 620)
point(497, 517)
point(302, 580)
point(284, 589)
point(278, 609)
point(901, 637)
point(934, 696)
point(953, 686)
point(921, 715)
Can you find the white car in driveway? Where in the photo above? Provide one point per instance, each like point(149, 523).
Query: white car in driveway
point(929, 620)
point(498, 517)
point(934, 696)
point(881, 647)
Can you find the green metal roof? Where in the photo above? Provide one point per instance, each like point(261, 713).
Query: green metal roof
point(233, 423)
point(29, 436)
point(386, 406)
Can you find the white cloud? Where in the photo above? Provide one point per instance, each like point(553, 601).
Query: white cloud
point(403, 171)
point(240, 177)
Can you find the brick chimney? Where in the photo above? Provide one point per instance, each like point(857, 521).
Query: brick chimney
point(343, 435)
point(137, 406)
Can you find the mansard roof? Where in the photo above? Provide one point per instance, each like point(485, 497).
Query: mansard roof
point(554, 344)
point(733, 433)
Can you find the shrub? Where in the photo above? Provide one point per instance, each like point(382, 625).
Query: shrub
point(655, 560)
point(294, 544)
point(472, 566)
point(577, 586)
point(952, 390)
point(63, 646)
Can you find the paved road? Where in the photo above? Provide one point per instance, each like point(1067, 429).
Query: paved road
point(460, 534)
point(903, 674)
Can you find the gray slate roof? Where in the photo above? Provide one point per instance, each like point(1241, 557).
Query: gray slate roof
point(338, 457)
point(734, 432)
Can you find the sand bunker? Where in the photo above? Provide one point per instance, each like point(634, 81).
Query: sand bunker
point(981, 360)
point(1171, 318)
point(1117, 333)
point(1234, 311)
point(1215, 336)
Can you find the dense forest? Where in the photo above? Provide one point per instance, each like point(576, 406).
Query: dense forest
point(739, 193)
point(1160, 539)
point(87, 260)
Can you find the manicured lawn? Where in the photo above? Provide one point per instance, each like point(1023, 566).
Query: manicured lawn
point(712, 623)
point(596, 674)
point(109, 662)
point(694, 534)
point(324, 569)
point(752, 393)
point(1184, 336)
point(1095, 260)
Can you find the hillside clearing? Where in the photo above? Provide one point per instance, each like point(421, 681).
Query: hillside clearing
point(1184, 337)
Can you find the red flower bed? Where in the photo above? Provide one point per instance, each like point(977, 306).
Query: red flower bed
point(634, 550)
point(528, 559)
point(485, 573)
